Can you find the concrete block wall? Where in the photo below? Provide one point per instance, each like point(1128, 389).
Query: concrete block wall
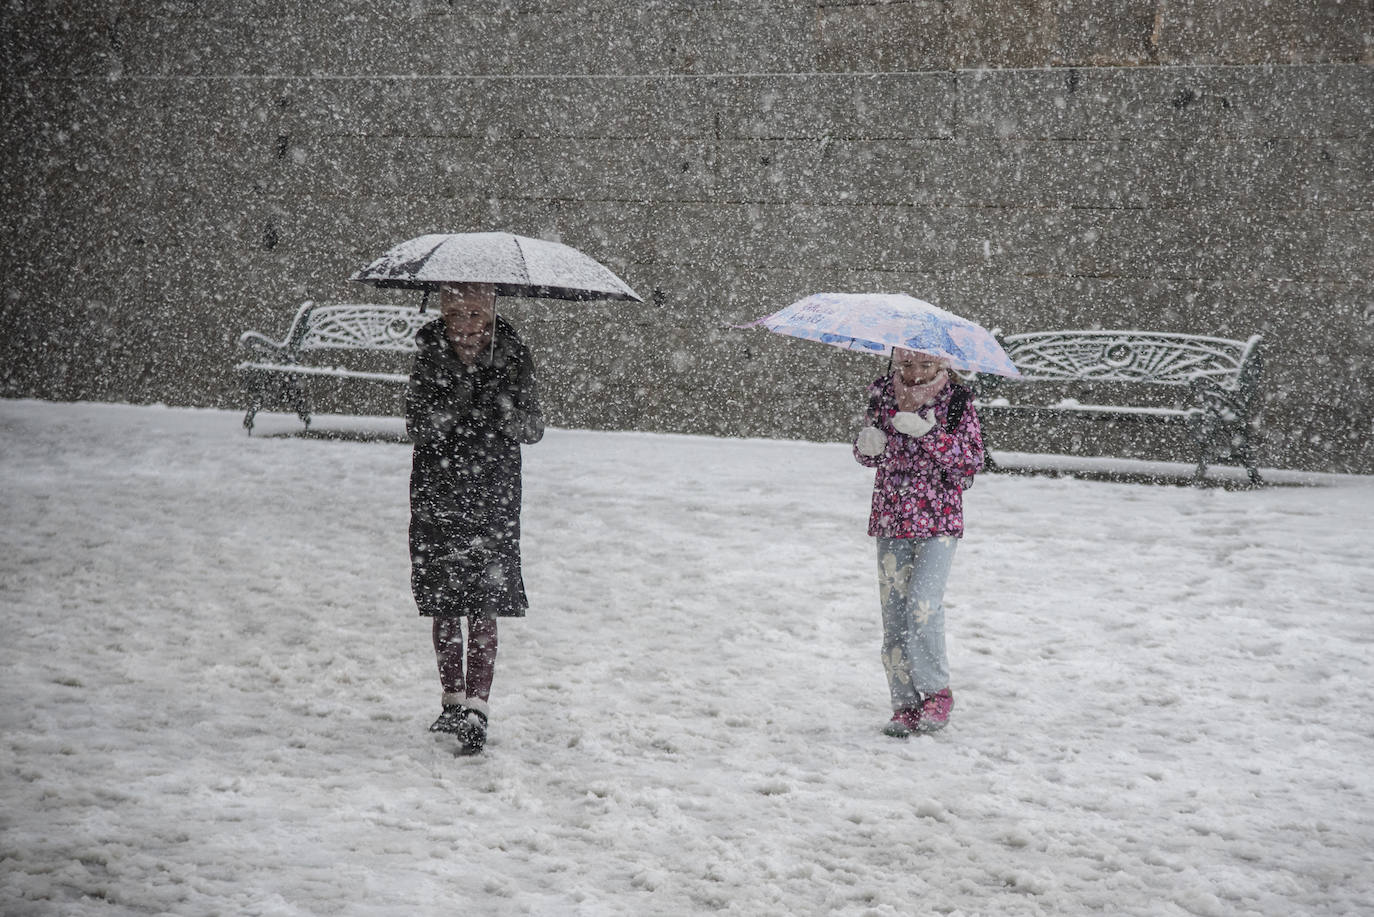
point(177, 173)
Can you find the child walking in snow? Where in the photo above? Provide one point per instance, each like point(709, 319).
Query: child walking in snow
point(923, 438)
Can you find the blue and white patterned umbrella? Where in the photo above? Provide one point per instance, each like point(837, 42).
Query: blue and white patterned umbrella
point(877, 322)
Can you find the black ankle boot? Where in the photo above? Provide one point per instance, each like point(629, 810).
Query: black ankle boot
point(451, 720)
point(472, 732)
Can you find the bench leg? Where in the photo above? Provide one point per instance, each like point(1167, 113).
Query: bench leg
point(286, 391)
point(297, 398)
point(255, 386)
point(1247, 458)
point(1202, 437)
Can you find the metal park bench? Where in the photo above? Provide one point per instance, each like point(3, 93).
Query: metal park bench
point(348, 341)
point(1208, 384)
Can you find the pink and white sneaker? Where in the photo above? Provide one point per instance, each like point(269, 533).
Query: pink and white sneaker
point(935, 709)
point(903, 723)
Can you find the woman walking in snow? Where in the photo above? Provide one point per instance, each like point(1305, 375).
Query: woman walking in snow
point(922, 436)
point(470, 404)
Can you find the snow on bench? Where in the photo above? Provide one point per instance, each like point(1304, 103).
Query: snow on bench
point(1213, 381)
point(358, 341)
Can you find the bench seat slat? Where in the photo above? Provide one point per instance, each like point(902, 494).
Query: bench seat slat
point(1000, 405)
point(333, 371)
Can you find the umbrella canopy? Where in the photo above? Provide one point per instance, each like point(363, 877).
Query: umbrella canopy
point(518, 265)
point(877, 322)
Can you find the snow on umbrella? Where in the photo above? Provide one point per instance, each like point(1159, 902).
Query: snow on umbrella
point(517, 265)
point(877, 322)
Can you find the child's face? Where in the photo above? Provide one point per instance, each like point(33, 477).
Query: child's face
point(914, 367)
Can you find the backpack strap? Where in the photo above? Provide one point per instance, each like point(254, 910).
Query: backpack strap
point(958, 401)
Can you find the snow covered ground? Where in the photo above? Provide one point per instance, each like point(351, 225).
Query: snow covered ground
point(215, 688)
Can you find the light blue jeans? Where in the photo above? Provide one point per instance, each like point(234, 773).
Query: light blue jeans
point(911, 585)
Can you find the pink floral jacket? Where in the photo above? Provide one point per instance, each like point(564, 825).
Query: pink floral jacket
point(917, 491)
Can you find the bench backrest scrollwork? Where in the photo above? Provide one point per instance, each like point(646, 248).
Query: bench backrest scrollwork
point(1133, 356)
point(357, 326)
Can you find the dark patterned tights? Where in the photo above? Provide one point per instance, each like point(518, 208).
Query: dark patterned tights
point(481, 655)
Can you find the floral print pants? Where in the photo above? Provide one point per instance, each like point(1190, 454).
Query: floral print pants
point(911, 585)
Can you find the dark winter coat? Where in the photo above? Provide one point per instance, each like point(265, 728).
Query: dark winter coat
point(467, 424)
